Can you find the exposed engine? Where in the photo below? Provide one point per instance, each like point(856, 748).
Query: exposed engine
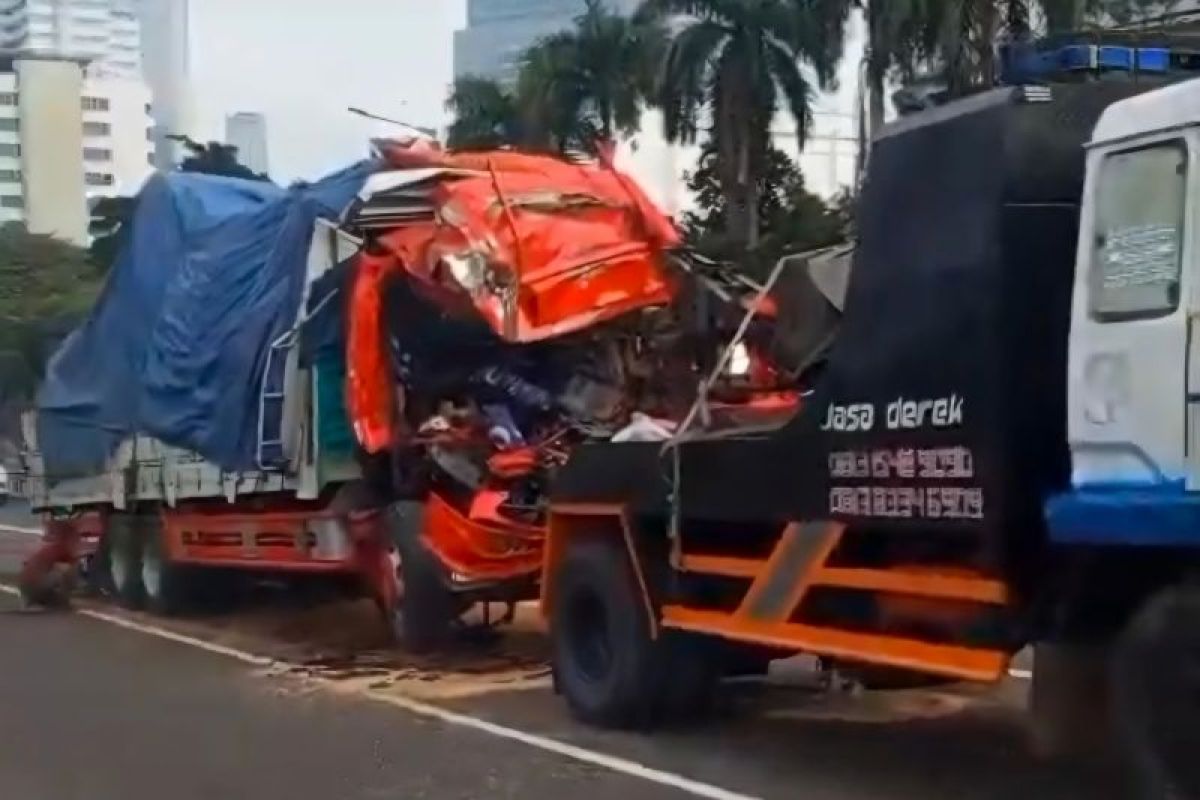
point(482, 412)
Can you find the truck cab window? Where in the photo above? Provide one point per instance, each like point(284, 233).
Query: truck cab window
point(1138, 243)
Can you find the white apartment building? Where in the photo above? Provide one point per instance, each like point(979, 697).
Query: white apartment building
point(67, 136)
point(105, 32)
point(247, 131)
point(130, 39)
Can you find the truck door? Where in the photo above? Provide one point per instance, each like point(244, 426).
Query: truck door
point(1131, 320)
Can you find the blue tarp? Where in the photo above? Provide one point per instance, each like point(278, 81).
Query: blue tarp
point(210, 275)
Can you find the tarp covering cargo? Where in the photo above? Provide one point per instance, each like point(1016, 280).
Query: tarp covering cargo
point(211, 273)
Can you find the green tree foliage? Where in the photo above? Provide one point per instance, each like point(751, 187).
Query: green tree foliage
point(111, 217)
point(215, 158)
point(794, 219)
point(108, 228)
point(592, 80)
point(586, 83)
point(1072, 14)
point(46, 287)
point(486, 115)
point(728, 68)
point(956, 39)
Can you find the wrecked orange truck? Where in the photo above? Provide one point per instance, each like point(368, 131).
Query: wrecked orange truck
point(373, 379)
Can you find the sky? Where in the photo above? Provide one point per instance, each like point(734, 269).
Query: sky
point(303, 62)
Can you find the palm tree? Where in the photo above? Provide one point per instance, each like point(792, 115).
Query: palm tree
point(551, 96)
point(970, 29)
point(486, 115)
point(899, 34)
point(728, 65)
point(591, 81)
point(1072, 14)
point(957, 38)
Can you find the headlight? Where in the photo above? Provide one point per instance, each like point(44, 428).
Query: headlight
point(739, 361)
point(467, 271)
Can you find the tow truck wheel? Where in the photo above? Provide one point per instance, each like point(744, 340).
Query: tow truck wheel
point(165, 584)
point(423, 614)
point(606, 664)
point(124, 561)
point(1156, 694)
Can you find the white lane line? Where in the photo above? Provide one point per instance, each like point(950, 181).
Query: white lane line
point(18, 529)
point(613, 763)
point(191, 641)
point(1021, 674)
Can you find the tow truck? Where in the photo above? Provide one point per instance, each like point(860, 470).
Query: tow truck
point(1002, 451)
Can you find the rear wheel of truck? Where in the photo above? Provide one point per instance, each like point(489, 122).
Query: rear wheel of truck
point(124, 560)
point(166, 585)
point(606, 664)
point(1156, 694)
point(423, 615)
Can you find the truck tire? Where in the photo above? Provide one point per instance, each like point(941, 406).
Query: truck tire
point(124, 561)
point(424, 613)
point(1156, 694)
point(165, 585)
point(606, 664)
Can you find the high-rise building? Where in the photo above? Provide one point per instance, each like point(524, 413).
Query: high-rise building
point(247, 131)
point(166, 65)
point(498, 31)
point(105, 32)
point(67, 136)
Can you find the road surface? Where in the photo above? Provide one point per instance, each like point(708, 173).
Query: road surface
point(15, 514)
point(92, 710)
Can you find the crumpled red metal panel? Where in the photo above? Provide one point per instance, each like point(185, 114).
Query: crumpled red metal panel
point(537, 246)
point(370, 393)
point(554, 246)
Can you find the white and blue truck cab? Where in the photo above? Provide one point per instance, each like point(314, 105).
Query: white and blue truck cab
point(1133, 426)
point(1134, 363)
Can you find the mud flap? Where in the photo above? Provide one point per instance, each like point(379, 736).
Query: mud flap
point(41, 582)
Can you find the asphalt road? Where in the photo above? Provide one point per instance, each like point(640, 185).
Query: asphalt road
point(15, 545)
point(15, 513)
point(90, 710)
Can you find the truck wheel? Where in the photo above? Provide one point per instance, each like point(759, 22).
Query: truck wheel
point(167, 586)
point(424, 612)
point(605, 663)
point(125, 561)
point(1156, 694)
